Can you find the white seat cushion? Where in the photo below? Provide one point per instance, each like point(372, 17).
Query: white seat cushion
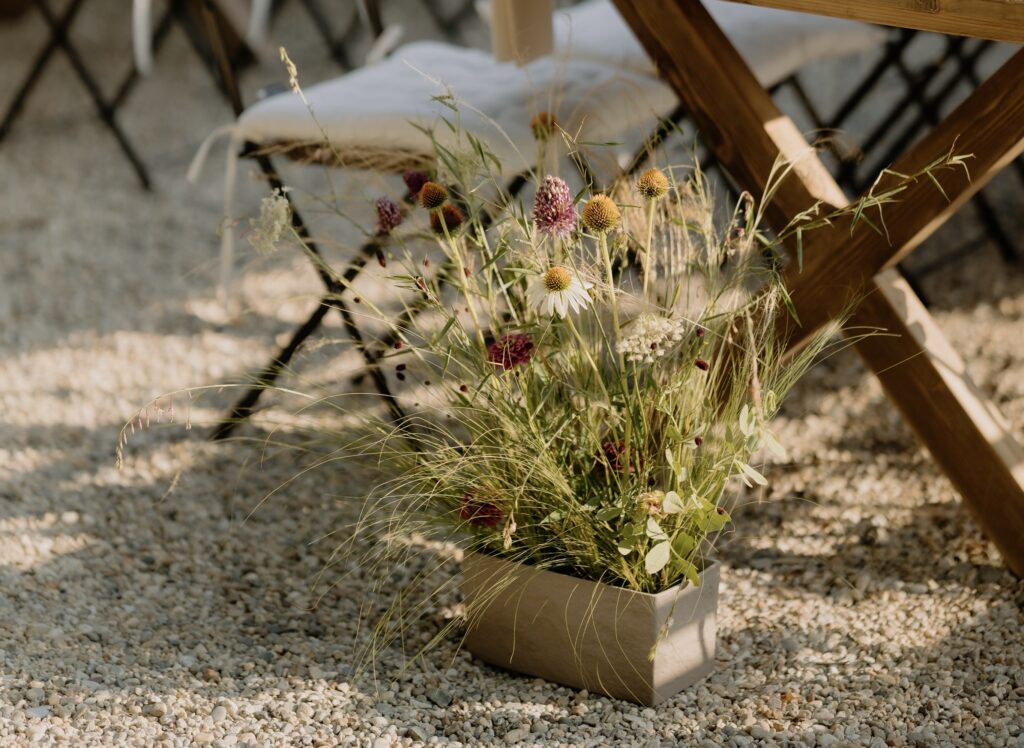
point(775, 43)
point(368, 114)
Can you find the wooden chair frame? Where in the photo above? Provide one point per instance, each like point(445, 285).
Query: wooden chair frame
point(921, 373)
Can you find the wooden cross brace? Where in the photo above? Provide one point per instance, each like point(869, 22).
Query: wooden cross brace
point(918, 368)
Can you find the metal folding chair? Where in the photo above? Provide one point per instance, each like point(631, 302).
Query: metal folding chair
point(334, 297)
point(334, 289)
point(339, 42)
point(176, 12)
point(59, 41)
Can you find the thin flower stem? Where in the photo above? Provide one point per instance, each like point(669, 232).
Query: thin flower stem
point(648, 259)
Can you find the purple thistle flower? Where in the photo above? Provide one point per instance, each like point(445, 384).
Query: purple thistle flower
point(553, 209)
point(510, 351)
point(389, 215)
point(414, 180)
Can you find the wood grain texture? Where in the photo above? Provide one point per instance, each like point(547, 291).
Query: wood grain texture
point(927, 380)
point(988, 126)
point(1001, 20)
point(747, 133)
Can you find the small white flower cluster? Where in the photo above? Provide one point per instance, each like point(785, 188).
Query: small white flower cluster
point(651, 336)
point(274, 219)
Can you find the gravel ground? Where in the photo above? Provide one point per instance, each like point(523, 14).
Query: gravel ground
point(860, 604)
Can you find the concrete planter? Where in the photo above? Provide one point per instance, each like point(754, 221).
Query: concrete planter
point(589, 635)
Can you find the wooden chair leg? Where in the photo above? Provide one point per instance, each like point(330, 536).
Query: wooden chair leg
point(749, 135)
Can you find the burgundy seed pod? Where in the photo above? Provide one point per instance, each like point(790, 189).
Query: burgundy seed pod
point(702, 364)
point(698, 440)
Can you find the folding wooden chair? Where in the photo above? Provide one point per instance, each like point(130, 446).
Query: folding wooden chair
point(595, 30)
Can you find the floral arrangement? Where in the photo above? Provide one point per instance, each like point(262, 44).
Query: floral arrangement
point(602, 367)
point(597, 369)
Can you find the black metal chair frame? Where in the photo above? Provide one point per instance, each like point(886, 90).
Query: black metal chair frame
point(59, 40)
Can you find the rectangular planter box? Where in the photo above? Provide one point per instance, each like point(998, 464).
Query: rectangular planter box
point(589, 635)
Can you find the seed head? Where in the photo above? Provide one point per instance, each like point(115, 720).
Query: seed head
point(389, 215)
point(544, 125)
point(510, 351)
point(449, 217)
point(414, 181)
point(432, 195)
point(652, 184)
point(553, 209)
point(557, 279)
point(601, 214)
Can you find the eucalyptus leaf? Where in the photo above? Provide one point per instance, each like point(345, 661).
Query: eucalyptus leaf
point(716, 519)
point(654, 531)
point(672, 503)
point(750, 476)
point(748, 424)
point(689, 571)
point(683, 544)
point(658, 557)
point(769, 442)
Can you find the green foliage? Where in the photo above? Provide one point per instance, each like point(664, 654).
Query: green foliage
point(604, 450)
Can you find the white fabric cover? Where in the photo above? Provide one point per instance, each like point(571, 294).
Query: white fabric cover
point(775, 43)
point(251, 24)
point(372, 108)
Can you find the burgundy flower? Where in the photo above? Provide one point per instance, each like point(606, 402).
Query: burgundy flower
point(614, 453)
point(553, 209)
point(414, 180)
point(701, 364)
point(389, 215)
point(510, 351)
point(448, 217)
point(481, 513)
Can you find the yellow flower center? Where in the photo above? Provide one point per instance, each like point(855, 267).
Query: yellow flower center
point(600, 214)
point(557, 279)
point(652, 184)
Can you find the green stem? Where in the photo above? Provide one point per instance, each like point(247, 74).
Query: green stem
point(648, 262)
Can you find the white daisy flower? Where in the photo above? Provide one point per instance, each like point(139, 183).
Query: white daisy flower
point(557, 292)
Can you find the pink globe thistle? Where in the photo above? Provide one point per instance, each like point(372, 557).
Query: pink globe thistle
point(414, 180)
point(476, 511)
point(553, 209)
point(510, 351)
point(389, 215)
